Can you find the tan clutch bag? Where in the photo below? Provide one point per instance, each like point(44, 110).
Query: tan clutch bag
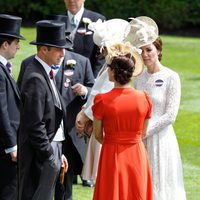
point(88, 128)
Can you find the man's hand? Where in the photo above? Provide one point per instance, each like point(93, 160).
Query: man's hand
point(81, 120)
point(14, 156)
point(64, 163)
point(79, 89)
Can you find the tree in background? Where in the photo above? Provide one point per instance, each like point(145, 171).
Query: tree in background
point(169, 14)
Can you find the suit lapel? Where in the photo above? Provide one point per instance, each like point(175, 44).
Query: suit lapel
point(12, 81)
point(60, 77)
point(43, 72)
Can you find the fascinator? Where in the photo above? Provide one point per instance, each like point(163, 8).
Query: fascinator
point(143, 31)
point(122, 49)
point(109, 32)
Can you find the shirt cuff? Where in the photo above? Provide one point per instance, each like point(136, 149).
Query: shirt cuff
point(11, 149)
point(85, 96)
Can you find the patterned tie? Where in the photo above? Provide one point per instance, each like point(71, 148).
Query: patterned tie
point(51, 75)
point(73, 22)
point(9, 67)
point(55, 67)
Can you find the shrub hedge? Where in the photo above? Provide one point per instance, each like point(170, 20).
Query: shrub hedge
point(169, 14)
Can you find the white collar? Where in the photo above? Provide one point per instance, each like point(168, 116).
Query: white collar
point(3, 60)
point(45, 65)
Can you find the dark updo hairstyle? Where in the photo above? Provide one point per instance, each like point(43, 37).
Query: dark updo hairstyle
point(158, 44)
point(123, 67)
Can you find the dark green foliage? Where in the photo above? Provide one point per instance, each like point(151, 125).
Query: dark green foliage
point(169, 14)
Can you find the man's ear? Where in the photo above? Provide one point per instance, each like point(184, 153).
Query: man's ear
point(44, 49)
point(5, 45)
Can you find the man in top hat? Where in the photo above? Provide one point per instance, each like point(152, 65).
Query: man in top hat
point(42, 121)
point(69, 46)
point(9, 105)
point(74, 95)
point(78, 20)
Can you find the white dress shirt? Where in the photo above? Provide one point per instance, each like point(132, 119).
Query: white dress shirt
point(59, 136)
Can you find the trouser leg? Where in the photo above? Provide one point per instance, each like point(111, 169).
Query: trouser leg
point(49, 175)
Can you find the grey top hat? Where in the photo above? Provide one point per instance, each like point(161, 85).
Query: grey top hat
point(51, 33)
point(10, 26)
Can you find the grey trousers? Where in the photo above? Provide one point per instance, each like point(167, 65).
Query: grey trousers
point(49, 175)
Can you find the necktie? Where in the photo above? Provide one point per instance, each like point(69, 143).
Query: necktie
point(9, 67)
point(51, 75)
point(73, 22)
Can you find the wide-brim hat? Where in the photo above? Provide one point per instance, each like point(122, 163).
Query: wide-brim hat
point(51, 33)
point(143, 31)
point(120, 49)
point(108, 32)
point(10, 26)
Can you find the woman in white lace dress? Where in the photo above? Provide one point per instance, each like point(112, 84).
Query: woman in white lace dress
point(163, 86)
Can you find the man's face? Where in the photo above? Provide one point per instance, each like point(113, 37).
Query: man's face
point(11, 49)
point(54, 55)
point(74, 5)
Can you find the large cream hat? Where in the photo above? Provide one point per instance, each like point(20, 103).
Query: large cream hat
point(122, 49)
point(143, 31)
point(109, 32)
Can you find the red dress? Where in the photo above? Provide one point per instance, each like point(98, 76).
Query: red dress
point(124, 171)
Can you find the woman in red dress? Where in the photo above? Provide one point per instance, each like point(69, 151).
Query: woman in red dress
point(120, 119)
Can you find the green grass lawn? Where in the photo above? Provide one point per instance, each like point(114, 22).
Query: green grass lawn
point(183, 56)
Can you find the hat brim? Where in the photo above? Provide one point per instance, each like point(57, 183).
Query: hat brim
point(67, 45)
point(70, 43)
point(139, 64)
point(12, 35)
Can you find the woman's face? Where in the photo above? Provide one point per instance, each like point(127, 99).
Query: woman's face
point(150, 54)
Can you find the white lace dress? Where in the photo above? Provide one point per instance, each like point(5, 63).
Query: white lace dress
point(164, 90)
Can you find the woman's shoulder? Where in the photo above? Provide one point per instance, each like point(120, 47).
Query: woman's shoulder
point(169, 72)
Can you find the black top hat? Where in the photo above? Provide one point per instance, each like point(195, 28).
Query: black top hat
point(10, 26)
point(63, 18)
point(51, 33)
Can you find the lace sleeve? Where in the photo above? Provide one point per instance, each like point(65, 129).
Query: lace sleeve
point(171, 109)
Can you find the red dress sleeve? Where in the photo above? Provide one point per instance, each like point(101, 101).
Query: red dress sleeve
point(97, 107)
point(149, 105)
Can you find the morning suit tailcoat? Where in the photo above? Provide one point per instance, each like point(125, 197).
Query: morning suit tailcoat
point(9, 123)
point(83, 75)
point(40, 119)
point(84, 45)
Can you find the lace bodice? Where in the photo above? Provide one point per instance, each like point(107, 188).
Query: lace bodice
point(165, 90)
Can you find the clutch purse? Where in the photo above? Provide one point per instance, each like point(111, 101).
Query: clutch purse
point(88, 128)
